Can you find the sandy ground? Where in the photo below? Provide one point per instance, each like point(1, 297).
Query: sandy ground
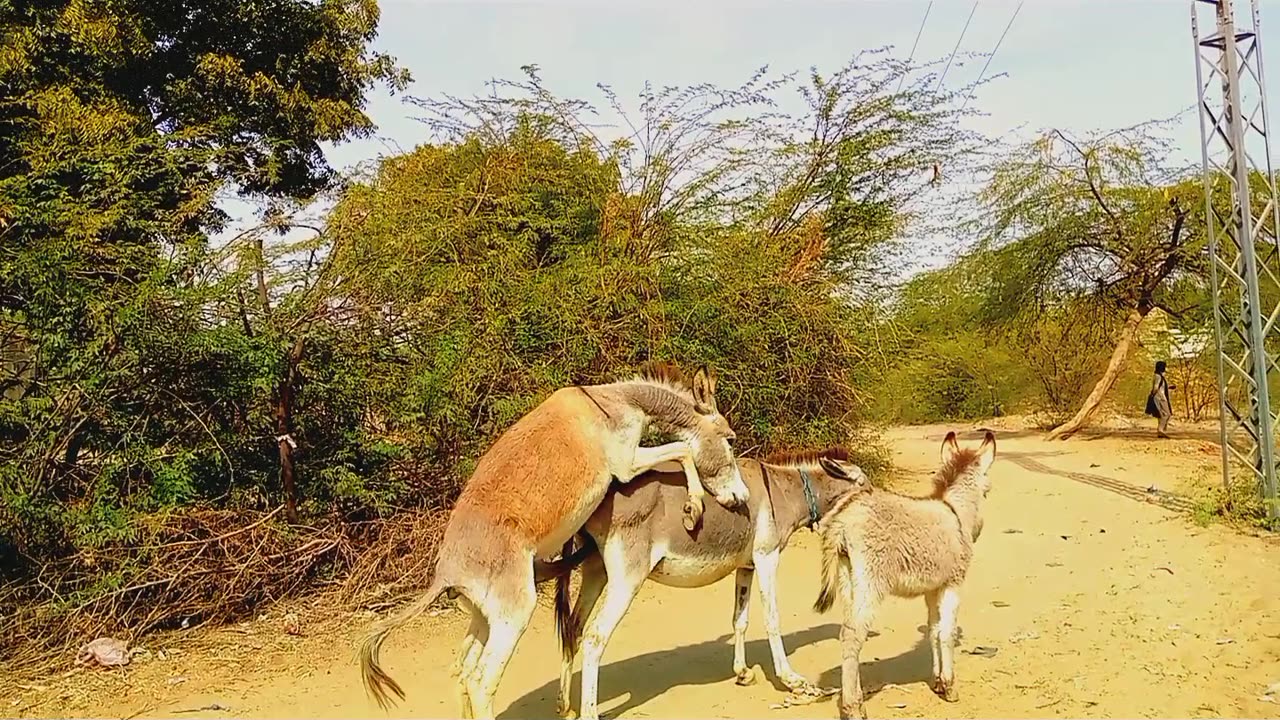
point(1102, 598)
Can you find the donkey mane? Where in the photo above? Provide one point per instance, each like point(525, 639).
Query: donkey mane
point(943, 479)
point(805, 458)
point(952, 469)
point(664, 375)
point(664, 372)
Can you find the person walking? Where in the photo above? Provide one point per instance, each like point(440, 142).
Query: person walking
point(1159, 405)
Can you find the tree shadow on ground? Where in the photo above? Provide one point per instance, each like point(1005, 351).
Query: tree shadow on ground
point(1149, 494)
point(1149, 433)
point(979, 433)
point(1092, 433)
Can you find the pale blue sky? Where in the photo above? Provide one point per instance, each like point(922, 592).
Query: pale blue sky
point(1077, 65)
point(1073, 64)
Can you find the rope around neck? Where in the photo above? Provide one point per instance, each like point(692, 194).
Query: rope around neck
point(809, 497)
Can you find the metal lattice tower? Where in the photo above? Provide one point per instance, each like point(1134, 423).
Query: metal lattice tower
point(1242, 216)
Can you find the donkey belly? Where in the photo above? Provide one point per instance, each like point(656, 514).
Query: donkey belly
point(722, 545)
point(692, 570)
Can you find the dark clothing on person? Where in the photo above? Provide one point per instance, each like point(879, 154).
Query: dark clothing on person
point(1159, 405)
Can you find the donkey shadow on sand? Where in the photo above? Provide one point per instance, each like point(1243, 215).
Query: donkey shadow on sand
point(643, 678)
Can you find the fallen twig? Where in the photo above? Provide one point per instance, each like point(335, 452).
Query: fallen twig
point(214, 707)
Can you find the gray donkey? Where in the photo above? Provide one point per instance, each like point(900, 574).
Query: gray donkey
point(638, 533)
point(879, 543)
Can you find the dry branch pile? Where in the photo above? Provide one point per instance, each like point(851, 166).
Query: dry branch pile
point(206, 567)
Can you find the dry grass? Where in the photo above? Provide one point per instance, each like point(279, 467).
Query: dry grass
point(396, 555)
point(208, 567)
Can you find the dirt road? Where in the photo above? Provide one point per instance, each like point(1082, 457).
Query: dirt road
point(1099, 602)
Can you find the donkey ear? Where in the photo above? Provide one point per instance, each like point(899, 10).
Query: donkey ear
point(704, 396)
point(834, 469)
point(949, 446)
point(987, 452)
point(711, 380)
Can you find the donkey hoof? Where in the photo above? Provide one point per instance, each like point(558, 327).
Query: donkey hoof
point(853, 713)
point(800, 687)
point(692, 514)
point(746, 677)
point(945, 691)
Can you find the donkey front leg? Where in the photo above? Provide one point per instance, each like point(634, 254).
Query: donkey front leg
point(948, 609)
point(741, 605)
point(647, 458)
point(767, 567)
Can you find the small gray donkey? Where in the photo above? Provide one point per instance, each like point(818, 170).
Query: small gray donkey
point(879, 543)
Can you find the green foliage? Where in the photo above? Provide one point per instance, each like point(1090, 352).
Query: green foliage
point(1240, 503)
point(119, 124)
point(1066, 349)
point(1101, 218)
point(240, 90)
point(954, 360)
point(1081, 239)
point(947, 364)
point(153, 387)
point(959, 377)
point(526, 253)
point(504, 271)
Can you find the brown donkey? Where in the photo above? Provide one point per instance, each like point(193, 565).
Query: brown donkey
point(880, 543)
point(534, 489)
point(638, 535)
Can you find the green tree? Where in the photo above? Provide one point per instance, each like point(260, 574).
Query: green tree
point(939, 358)
point(120, 124)
point(526, 251)
point(162, 387)
point(1100, 224)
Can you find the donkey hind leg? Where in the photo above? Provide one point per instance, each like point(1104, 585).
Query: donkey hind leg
point(469, 656)
point(948, 612)
point(860, 604)
point(593, 579)
point(508, 606)
point(932, 602)
point(741, 604)
point(767, 568)
point(627, 568)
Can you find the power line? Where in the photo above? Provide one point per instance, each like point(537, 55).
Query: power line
point(993, 53)
point(943, 76)
point(913, 47)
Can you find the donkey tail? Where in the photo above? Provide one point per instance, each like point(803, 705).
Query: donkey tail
point(544, 570)
point(567, 624)
point(832, 554)
point(376, 680)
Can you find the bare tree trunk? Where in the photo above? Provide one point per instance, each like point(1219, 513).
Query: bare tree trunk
point(284, 430)
point(1124, 344)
